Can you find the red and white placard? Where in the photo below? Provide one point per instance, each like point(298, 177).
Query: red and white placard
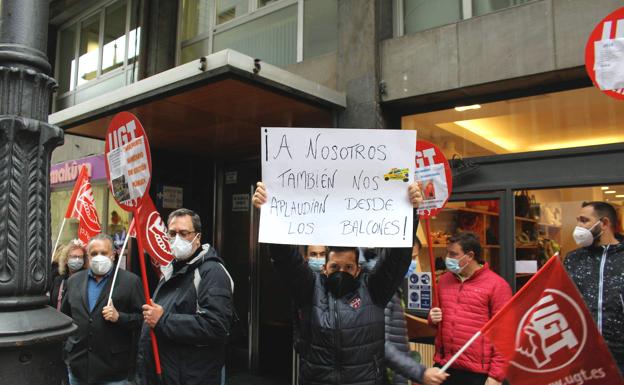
point(434, 173)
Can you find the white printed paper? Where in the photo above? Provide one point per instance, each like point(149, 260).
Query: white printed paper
point(129, 170)
point(609, 63)
point(339, 187)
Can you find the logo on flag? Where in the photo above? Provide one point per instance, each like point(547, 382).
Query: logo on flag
point(546, 340)
point(82, 207)
point(153, 232)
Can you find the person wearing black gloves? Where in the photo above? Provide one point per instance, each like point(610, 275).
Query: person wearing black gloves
point(342, 333)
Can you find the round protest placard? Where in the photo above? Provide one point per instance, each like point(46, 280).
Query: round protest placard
point(128, 160)
point(604, 55)
point(434, 173)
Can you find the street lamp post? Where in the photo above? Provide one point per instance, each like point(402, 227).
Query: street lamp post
point(31, 333)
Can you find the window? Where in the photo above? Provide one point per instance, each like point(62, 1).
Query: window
point(425, 14)
point(100, 42)
point(272, 30)
point(413, 16)
point(575, 118)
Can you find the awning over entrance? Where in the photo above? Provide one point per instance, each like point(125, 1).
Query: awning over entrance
point(214, 106)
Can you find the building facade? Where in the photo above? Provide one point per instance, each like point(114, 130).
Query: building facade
point(498, 85)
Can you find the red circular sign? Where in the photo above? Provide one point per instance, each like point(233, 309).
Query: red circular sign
point(128, 160)
point(434, 172)
point(601, 38)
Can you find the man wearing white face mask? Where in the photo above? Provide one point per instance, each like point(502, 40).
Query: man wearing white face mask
point(191, 310)
point(469, 294)
point(597, 269)
point(101, 352)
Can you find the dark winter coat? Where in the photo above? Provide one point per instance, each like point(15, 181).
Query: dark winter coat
point(194, 327)
point(342, 339)
point(598, 272)
point(397, 352)
point(102, 351)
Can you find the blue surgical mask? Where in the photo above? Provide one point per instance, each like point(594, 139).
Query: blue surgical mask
point(452, 264)
point(316, 264)
point(411, 268)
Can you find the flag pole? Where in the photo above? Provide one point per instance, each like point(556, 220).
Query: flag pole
point(461, 351)
point(58, 238)
point(123, 248)
point(431, 262)
point(148, 300)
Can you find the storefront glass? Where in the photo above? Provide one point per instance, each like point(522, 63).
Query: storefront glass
point(575, 118)
point(545, 221)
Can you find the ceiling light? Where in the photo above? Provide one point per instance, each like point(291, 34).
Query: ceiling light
point(466, 108)
point(620, 196)
point(604, 188)
point(610, 192)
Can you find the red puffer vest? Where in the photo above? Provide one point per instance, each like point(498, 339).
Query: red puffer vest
point(466, 307)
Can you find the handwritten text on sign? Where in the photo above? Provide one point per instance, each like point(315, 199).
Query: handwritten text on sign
point(342, 187)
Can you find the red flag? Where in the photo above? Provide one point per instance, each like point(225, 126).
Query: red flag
point(82, 206)
point(549, 337)
point(153, 232)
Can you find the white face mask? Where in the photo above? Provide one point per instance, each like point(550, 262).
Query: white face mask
point(75, 264)
point(181, 248)
point(100, 264)
point(584, 237)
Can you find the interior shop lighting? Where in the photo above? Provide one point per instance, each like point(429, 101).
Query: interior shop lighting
point(620, 196)
point(604, 188)
point(610, 192)
point(466, 108)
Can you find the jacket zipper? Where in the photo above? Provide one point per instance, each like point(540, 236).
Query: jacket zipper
point(601, 286)
point(337, 336)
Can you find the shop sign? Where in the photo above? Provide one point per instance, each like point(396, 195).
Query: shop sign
point(604, 55)
point(68, 171)
point(170, 197)
point(128, 160)
point(434, 173)
point(419, 291)
point(240, 202)
point(345, 187)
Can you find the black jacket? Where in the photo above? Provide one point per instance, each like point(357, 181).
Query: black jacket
point(194, 327)
point(342, 339)
point(101, 351)
point(59, 284)
point(397, 353)
point(598, 272)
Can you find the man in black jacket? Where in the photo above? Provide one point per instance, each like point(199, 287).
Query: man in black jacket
point(191, 311)
point(597, 269)
point(101, 350)
point(342, 329)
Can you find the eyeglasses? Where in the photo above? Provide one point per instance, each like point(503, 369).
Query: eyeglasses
point(182, 233)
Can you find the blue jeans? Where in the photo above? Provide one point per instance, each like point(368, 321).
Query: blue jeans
point(74, 381)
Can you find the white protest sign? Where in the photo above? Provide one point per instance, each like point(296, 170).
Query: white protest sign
point(129, 163)
point(339, 187)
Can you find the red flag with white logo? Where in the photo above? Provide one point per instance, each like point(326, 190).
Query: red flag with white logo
point(549, 337)
point(153, 232)
point(82, 206)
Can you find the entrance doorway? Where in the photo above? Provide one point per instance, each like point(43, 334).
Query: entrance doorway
point(261, 341)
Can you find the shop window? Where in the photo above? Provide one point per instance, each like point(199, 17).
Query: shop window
point(272, 38)
point(575, 118)
point(481, 7)
point(545, 221)
point(320, 27)
point(105, 43)
point(420, 15)
point(480, 217)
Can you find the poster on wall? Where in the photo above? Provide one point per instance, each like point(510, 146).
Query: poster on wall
point(419, 291)
point(342, 187)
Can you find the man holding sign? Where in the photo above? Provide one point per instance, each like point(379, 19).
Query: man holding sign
point(342, 329)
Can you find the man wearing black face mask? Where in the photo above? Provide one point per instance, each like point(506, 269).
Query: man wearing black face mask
point(342, 332)
point(597, 269)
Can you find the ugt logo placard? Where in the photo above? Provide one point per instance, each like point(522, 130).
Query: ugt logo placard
point(156, 236)
point(551, 334)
